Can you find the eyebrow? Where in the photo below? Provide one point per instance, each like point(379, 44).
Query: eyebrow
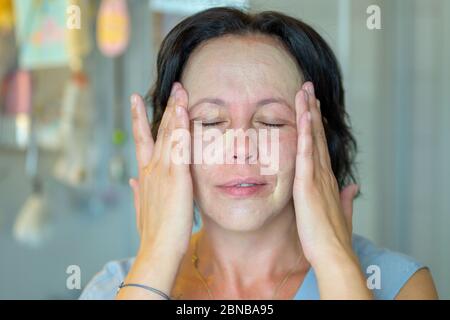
point(216, 101)
point(260, 103)
point(281, 101)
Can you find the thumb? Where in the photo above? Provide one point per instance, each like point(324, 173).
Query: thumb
point(347, 196)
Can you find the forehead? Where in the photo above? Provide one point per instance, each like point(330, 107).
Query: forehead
point(241, 65)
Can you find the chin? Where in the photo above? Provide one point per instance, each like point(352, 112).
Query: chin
point(240, 218)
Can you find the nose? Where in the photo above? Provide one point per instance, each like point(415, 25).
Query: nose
point(242, 146)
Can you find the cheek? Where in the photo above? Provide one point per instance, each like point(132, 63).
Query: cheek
point(285, 176)
point(199, 176)
point(204, 177)
point(288, 150)
point(199, 173)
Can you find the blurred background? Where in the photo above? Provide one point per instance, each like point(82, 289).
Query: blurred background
point(66, 150)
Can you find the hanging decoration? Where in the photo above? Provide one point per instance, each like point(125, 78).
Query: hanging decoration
point(41, 33)
point(113, 27)
point(16, 90)
point(77, 109)
point(75, 131)
point(6, 16)
point(78, 39)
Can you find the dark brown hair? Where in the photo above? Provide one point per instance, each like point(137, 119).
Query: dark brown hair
point(314, 57)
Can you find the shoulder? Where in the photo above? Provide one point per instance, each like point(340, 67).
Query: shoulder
point(104, 284)
point(386, 271)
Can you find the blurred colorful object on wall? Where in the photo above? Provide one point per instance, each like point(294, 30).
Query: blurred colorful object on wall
point(75, 131)
point(78, 39)
point(6, 16)
point(41, 33)
point(188, 7)
point(17, 91)
point(113, 27)
point(15, 118)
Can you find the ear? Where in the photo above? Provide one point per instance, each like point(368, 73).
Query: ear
point(347, 196)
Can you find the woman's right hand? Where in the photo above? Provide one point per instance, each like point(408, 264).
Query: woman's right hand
point(163, 193)
point(163, 198)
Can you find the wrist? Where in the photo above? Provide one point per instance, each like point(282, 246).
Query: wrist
point(333, 253)
point(163, 246)
point(158, 260)
point(153, 267)
point(337, 263)
point(164, 253)
point(339, 276)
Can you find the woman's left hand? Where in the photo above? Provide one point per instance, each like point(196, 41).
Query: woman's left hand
point(323, 214)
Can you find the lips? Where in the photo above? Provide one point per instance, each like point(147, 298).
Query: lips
point(243, 187)
point(240, 181)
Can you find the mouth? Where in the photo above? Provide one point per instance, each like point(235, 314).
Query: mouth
point(243, 187)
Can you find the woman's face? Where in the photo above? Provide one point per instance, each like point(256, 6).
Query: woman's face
point(246, 83)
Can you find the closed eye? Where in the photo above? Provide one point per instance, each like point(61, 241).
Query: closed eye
point(273, 125)
point(212, 124)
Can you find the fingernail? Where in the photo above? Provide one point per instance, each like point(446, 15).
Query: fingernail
point(178, 95)
point(305, 95)
point(308, 116)
point(310, 88)
point(172, 92)
point(179, 111)
point(133, 99)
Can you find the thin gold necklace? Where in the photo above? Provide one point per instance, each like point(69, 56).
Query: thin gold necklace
point(208, 289)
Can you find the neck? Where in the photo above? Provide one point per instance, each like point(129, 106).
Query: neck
point(241, 259)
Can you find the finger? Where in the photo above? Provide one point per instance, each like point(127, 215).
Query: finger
point(315, 154)
point(141, 132)
point(163, 123)
point(177, 121)
point(161, 131)
point(134, 184)
point(320, 140)
point(170, 103)
point(305, 149)
point(347, 196)
point(301, 105)
point(324, 120)
point(184, 143)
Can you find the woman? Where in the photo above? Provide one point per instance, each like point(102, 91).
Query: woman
point(283, 235)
